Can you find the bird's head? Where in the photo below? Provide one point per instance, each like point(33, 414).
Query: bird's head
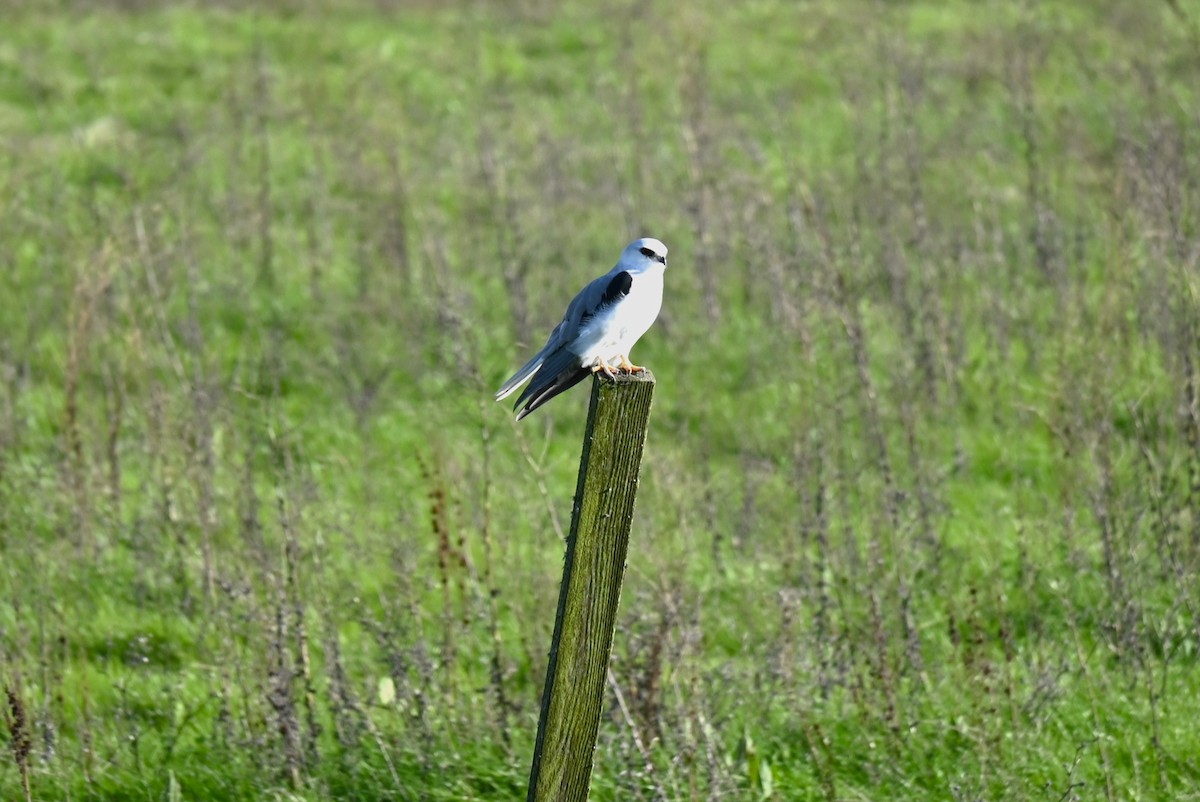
point(645, 252)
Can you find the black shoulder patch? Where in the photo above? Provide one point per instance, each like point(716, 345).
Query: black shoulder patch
point(618, 288)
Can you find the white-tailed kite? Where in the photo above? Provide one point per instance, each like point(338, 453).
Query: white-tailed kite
point(602, 323)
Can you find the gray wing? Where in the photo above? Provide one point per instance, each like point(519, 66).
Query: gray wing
point(556, 349)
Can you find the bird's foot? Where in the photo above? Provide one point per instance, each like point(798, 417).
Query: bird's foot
point(629, 367)
point(606, 368)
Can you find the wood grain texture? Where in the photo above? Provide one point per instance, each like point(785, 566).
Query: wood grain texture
point(591, 588)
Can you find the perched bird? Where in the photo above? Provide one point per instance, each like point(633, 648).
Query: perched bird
point(602, 323)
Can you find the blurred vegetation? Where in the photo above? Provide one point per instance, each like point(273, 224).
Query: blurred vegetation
point(920, 513)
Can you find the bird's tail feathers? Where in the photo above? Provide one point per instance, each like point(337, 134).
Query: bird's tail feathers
point(558, 372)
point(560, 383)
point(519, 378)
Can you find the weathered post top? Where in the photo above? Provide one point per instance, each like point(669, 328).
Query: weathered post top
point(591, 588)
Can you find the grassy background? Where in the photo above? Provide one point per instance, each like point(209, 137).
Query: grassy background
point(920, 515)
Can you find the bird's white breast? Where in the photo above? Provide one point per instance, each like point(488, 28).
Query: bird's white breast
point(613, 332)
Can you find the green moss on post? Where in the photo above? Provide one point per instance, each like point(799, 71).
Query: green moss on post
point(591, 588)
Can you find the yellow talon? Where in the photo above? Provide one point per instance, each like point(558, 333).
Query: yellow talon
point(629, 367)
point(607, 368)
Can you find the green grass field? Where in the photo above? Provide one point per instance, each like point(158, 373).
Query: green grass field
point(920, 511)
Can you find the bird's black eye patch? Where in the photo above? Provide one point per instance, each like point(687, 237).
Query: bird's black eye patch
point(649, 254)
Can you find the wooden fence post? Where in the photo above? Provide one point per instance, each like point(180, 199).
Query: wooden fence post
point(591, 587)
